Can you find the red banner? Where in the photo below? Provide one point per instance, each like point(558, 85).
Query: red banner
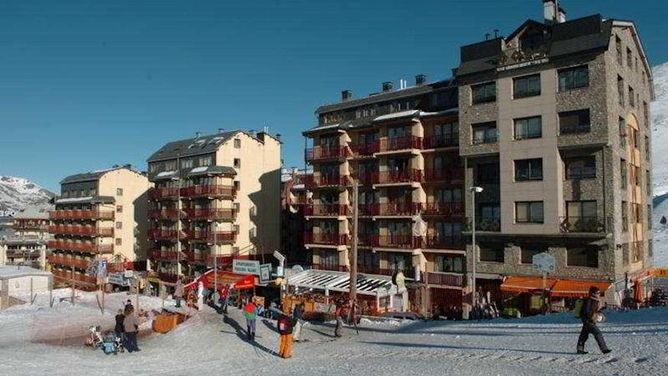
point(240, 281)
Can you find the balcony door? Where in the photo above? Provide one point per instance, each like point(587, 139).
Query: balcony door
point(329, 142)
point(581, 211)
point(396, 165)
point(397, 132)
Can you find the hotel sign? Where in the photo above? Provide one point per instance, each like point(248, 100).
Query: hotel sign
point(246, 267)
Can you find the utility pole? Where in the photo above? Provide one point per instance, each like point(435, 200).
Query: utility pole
point(473, 190)
point(353, 257)
point(178, 216)
point(215, 260)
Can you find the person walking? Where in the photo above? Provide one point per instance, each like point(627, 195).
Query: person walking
point(130, 328)
point(250, 313)
point(297, 314)
point(338, 313)
point(285, 330)
point(590, 314)
point(178, 292)
point(225, 297)
point(118, 328)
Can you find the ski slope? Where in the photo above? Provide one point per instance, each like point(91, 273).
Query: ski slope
point(205, 345)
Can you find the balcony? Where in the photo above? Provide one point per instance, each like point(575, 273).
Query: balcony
point(326, 210)
point(408, 272)
point(443, 175)
point(484, 224)
point(399, 208)
point(400, 143)
point(325, 238)
point(329, 180)
point(367, 178)
point(69, 261)
point(366, 149)
point(159, 234)
point(368, 269)
point(403, 241)
point(163, 255)
point(445, 242)
point(579, 224)
point(210, 214)
point(441, 141)
point(81, 214)
point(368, 209)
point(217, 237)
point(210, 191)
point(172, 214)
point(81, 230)
point(399, 176)
point(80, 246)
point(444, 279)
point(447, 209)
point(77, 277)
point(518, 55)
point(162, 193)
point(319, 153)
point(336, 268)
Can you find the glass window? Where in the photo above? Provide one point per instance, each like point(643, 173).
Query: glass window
point(529, 169)
point(529, 212)
point(629, 58)
point(237, 163)
point(119, 225)
point(186, 163)
point(527, 86)
point(237, 143)
point(573, 78)
point(119, 241)
point(483, 93)
point(119, 191)
point(581, 210)
point(623, 173)
point(582, 256)
point(119, 208)
point(491, 253)
point(632, 100)
point(581, 168)
point(618, 46)
point(205, 161)
point(622, 132)
point(571, 122)
point(487, 173)
point(528, 252)
point(620, 90)
point(528, 128)
point(483, 133)
point(625, 216)
point(449, 264)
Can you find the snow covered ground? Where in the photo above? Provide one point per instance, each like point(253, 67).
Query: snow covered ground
point(660, 162)
point(204, 345)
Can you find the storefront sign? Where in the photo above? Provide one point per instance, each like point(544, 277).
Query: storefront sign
point(661, 272)
point(265, 273)
point(246, 267)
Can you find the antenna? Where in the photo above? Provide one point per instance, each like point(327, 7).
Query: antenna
point(496, 33)
point(486, 36)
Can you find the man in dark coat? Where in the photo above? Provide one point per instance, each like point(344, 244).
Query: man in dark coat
point(591, 309)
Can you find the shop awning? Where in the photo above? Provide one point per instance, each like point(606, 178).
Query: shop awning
point(367, 284)
point(518, 284)
point(240, 281)
point(569, 288)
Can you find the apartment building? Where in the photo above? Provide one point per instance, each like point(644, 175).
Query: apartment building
point(99, 214)
point(214, 196)
point(26, 245)
point(555, 128)
point(401, 147)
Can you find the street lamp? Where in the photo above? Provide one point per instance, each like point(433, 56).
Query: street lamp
point(473, 190)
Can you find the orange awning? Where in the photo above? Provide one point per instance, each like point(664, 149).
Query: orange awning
point(569, 288)
point(519, 284)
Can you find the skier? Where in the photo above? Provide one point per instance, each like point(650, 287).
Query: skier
point(297, 314)
point(250, 313)
point(178, 292)
point(285, 330)
point(590, 314)
point(131, 327)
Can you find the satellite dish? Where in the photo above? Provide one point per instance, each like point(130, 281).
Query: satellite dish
point(297, 269)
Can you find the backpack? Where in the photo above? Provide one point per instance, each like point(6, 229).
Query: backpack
point(579, 304)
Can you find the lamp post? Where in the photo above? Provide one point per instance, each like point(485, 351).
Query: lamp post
point(473, 190)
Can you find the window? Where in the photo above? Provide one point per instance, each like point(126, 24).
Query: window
point(622, 132)
point(527, 253)
point(629, 58)
point(529, 169)
point(528, 128)
point(487, 173)
point(581, 168)
point(632, 100)
point(527, 86)
point(483, 133)
point(329, 260)
point(529, 212)
point(153, 167)
point(237, 143)
point(236, 229)
point(252, 232)
point(237, 163)
point(649, 217)
point(119, 225)
point(625, 216)
point(368, 260)
point(620, 90)
point(647, 149)
point(582, 256)
point(237, 207)
point(645, 110)
point(623, 175)
point(119, 241)
point(618, 46)
point(648, 181)
point(449, 264)
point(636, 175)
point(205, 161)
point(483, 93)
point(572, 122)
point(237, 185)
point(573, 78)
point(635, 213)
point(633, 137)
point(492, 253)
point(399, 262)
point(119, 208)
point(119, 191)
point(581, 212)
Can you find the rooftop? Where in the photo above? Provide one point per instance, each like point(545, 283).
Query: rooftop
point(9, 272)
point(95, 175)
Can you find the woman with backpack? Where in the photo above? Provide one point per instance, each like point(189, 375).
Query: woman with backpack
point(590, 314)
point(250, 313)
point(285, 330)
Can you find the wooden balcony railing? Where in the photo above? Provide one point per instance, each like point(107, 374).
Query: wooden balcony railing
point(368, 209)
point(80, 246)
point(210, 213)
point(81, 214)
point(444, 242)
point(400, 143)
point(366, 148)
point(444, 175)
point(321, 152)
point(448, 209)
point(441, 141)
point(160, 234)
point(69, 261)
point(218, 237)
point(336, 268)
point(367, 178)
point(81, 230)
point(398, 208)
point(163, 255)
point(573, 224)
point(444, 279)
point(325, 180)
point(325, 238)
point(399, 176)
point(213, 191)
point(403, 241)
point(326, 210)
point(159, 193)
point(172, 214)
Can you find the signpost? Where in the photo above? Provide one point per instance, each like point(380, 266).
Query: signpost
point(546, 264)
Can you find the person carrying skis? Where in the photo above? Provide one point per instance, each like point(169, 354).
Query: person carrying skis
point(284, 325)
point(589, 314)
point(250, 313)
point(297, 314)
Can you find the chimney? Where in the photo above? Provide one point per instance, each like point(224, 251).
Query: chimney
point(221, 130)
point(420, 79)
point(346, 95)
point(561, 15)
point(197, 135)
point(553, 13)
point(387, 86)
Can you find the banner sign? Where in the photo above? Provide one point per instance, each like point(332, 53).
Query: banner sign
point(246, 267)
point(265, 273)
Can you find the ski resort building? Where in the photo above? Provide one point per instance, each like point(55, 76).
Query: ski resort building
point(27, 243)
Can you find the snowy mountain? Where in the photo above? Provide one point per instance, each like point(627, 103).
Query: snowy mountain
point(660, 163)
point(20, 193)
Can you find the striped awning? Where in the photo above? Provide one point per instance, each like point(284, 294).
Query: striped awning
point(367, 284)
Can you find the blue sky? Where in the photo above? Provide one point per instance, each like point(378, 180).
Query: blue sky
point(88, 84)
